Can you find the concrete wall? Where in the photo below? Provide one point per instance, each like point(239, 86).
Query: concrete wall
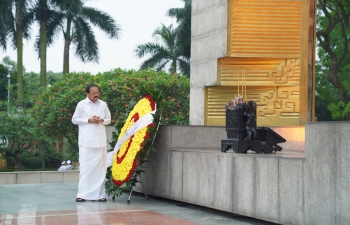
point(39, 177)
point(288, 187)
point(327, 198)
point(208, 43)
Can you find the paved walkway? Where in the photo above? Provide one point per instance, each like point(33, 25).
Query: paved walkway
point(54, 203)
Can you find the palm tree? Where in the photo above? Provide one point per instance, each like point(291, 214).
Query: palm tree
point(164, 53)
point(79, 32)
point(50, 22)
point(15, 27)
point(183, 18)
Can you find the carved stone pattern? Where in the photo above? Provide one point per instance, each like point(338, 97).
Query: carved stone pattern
point(236, 135)
point(231, 120)
point(285, 70)
point(267, 72)
point(278, 101)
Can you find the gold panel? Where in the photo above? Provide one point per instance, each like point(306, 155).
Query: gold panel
point(276, 106)
point(265, 28)
point(259, 71)
point(269, 40)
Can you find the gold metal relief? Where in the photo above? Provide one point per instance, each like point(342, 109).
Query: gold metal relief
point(287, 70)
point(275, 105)
point(259, 71)
point(268, 39)
point(280, 102)
point(271, 28)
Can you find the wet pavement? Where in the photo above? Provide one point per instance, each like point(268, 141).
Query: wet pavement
point(54, 203)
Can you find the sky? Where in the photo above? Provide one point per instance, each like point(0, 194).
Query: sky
point(137, 18)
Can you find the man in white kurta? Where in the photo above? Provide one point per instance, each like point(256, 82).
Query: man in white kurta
point(92, 114)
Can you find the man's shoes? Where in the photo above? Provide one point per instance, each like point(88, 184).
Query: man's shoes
point(100, 200)
point(80, 200)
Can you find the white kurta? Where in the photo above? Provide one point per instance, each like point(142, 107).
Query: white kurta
point(92, 148)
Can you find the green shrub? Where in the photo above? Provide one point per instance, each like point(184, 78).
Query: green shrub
point(121, 89)
point(32, 163)
point(17, 135)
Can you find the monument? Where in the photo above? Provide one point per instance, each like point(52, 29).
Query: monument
point(274, 42)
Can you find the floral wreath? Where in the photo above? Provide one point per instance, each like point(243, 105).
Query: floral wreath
point(132, 139)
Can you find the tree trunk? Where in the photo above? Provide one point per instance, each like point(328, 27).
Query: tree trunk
point(173, 67)
point(19, 46)
point(43, 37)
point(19, 163)
point(67, 41)
point(19, 63)
point(66, 57)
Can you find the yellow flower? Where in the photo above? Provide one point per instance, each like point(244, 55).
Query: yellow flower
point(124, 162)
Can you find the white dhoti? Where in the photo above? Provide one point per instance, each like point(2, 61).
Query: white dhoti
point(92, 176)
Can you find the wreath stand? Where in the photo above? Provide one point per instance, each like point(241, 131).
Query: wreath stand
point(143, 189)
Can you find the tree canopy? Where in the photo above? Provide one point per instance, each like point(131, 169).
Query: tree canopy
point(166, 50)
point(333, 85)
point(121, 89)
point(183, 17)
point(78, 30)
point(15, 25)
point(50, 21)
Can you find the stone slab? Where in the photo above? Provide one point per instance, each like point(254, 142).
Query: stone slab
point(342, 186)
point(163, 155)
point(199, 5)
point(52, 177)
point(244, 183)
point(8, 178)
point(307, 188)
point(109, 130)
point(209, 46)
point(197, 137)
point(190, 177)
point(320, 168)
point(267, 189)
point(207, 179)
point(203, 73)
point(176, 179)
point(28, 178)
point(224, 182)
point(197, 100)
point(291, 184)
point(209, 20)
point(71, 176)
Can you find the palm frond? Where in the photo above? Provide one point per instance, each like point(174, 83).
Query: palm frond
point(54, 25)
point(181, 14)
point(165, 51)
point(184, 66)
point(85, 41)
point(183, 17)
point(73, 7)
point(7, 24)
point(103, 21)
point(153, 62)
point(150, 48)
point(162, 65)
point(165, 34)
point(13, 33)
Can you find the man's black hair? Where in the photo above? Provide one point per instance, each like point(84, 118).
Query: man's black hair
point(87, 89)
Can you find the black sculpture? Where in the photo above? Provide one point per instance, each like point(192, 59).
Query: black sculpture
point(250, 120)
point(242, 133)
